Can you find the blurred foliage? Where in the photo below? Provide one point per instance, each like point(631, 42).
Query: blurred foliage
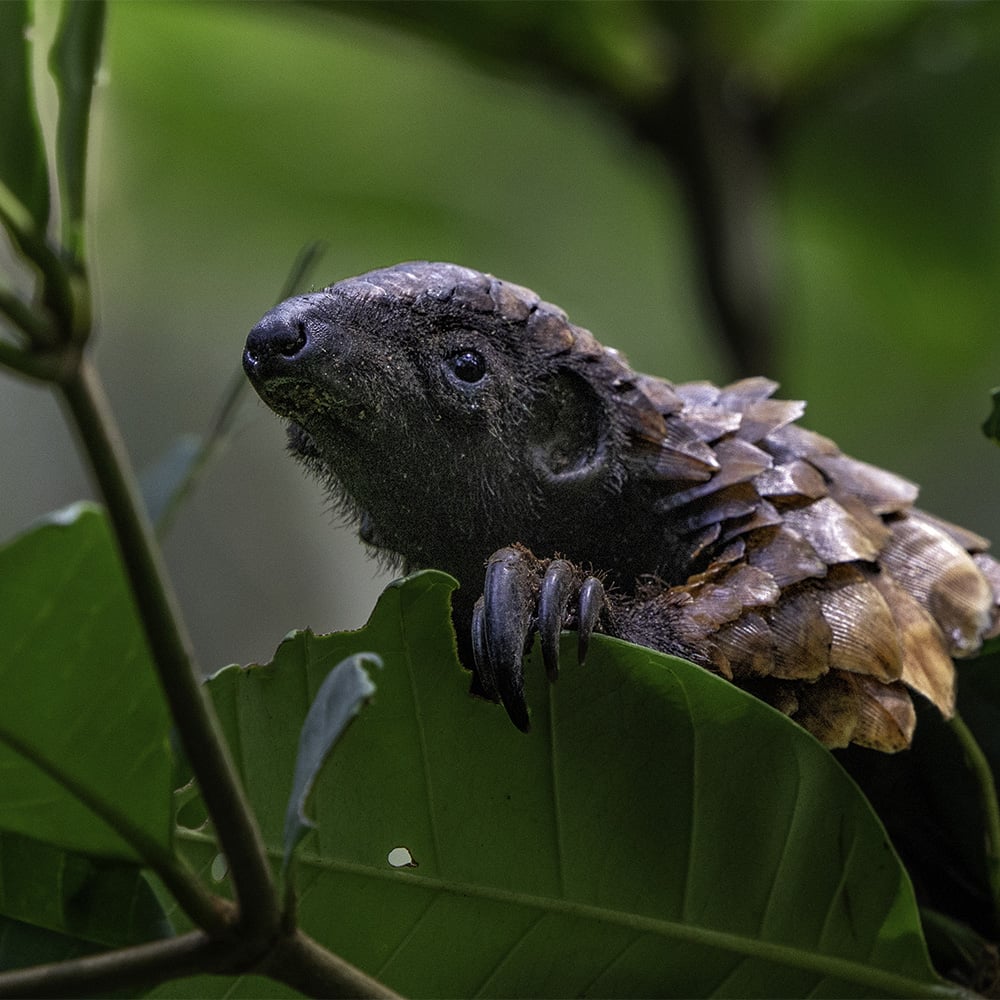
point(724, 92)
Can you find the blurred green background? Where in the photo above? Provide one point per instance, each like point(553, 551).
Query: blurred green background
point(548, 144)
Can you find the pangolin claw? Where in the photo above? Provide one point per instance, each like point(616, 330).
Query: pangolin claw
point(553, 600)
point(591, 605)
point(506, 626)
point(484, 666)
point(522, 595)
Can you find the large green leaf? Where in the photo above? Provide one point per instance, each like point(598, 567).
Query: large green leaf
point(657, 833)
point(85, 762)
point(23, 168)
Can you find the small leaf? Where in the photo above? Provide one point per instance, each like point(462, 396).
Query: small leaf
point(991, 425)
point(338, 700)
point(23, 168)
point(73, 62)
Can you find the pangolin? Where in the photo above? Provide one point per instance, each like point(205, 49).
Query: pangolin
point(467, 425)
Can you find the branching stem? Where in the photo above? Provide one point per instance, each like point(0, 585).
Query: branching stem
point(297, 961)
point(143, 965)
point(239, 837)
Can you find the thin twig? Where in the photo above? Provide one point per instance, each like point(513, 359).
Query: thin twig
point(198, 728)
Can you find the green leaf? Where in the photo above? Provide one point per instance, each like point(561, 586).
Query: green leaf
point(106, 903)
point(657, 833)
point(991, 425)
point(73, 62)
point(339, 699)
point(84, 749)
point(23, 168)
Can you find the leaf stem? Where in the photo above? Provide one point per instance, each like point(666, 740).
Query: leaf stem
point(200, 735)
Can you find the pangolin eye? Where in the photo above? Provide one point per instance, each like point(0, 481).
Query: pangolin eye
point(468, 366)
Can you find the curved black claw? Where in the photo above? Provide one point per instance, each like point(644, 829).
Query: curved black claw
point(506, 623)
point(553, 600)
point(591, 605)
point(521, 595)
point(484, 666)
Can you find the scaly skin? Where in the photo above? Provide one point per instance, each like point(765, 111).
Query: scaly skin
point(464, 423)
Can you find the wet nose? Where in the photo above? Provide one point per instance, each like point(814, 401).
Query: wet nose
point(281, 336)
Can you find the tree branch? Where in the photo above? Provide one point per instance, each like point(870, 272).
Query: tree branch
point(297, 961)
point(122, 969)
point(723, 167)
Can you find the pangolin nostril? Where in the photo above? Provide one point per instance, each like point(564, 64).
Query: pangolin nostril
point(292, 346)
point(281, 336)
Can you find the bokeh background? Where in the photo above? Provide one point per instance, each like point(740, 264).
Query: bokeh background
point(832, 168)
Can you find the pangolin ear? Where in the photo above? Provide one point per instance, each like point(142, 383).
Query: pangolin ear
point(570, 440)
